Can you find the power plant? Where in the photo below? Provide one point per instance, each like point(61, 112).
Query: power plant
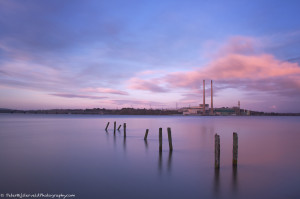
point(203, 97)
point(211, 97)
point(203, 109)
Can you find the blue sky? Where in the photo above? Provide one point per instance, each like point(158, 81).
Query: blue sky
point(114, 54)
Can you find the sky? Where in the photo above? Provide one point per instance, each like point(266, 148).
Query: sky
point(149, 54)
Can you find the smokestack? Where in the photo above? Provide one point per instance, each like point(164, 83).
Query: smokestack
point(203, 97)
point(212, 101)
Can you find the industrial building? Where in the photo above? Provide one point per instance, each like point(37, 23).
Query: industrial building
point(203, 109)
point(195, 110)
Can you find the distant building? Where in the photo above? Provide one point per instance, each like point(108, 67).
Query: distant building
point(225, 111)
point(203, 109)
point(198, 110)
point(248, 112)
point(195, 110)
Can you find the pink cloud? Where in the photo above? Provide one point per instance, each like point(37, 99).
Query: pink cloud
point(104, 90)
point(151, 73)
point(234, 45)
point(234, 67)
point(140, 103)
point(148, 72)
point(242, 70)
point(239, 44)
point(148, 85)
point(12, 53)
point(69, 95)
point(237, 65)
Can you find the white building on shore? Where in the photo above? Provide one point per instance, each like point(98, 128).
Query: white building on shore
point(195, 110)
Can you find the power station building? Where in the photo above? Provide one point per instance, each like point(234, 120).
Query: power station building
point(203, 109)
point(196, 110)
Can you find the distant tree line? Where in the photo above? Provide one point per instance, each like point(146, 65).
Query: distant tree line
point(96, 111)
point(124, 111)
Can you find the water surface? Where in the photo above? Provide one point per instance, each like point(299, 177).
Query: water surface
point(73, 154)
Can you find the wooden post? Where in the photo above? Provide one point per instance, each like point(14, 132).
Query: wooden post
point(217, 151)
point(107, 126)
point(160, 139)
point(235, 150)
point(170, 139)
point(119, 127)
point(124, 127)
point(146, 134)
point(115, 127)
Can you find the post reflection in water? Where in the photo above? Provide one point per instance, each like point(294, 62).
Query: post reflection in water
point(216, 182)
point(146, 144)
point(169, 162)
point(234, 180)
point(107, 136)
point(124, 144)
point(234, 183)
point(115, 140)
point(160, 162)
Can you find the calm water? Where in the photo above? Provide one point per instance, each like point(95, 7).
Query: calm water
point(72, 154)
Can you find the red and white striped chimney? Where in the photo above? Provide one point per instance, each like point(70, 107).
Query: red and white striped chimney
point(212, 101)
point(203, 97)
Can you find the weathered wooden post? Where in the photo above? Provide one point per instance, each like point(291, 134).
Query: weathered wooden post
point(146, 134)
point(115, 127)
point(217, 151)
point(124, 127)
point(170, 139)
point(160, 139)
point(107, 126)
point(235, 150)
point(119, 127)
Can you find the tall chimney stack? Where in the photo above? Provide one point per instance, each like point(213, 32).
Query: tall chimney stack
point(212, 101)
point(203, 97)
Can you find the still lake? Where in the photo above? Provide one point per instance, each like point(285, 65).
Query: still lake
point(73, 154)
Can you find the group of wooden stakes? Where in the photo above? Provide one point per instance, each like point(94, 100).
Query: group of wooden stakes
point(146, 135)
point(217, 143)
point(234, 150)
